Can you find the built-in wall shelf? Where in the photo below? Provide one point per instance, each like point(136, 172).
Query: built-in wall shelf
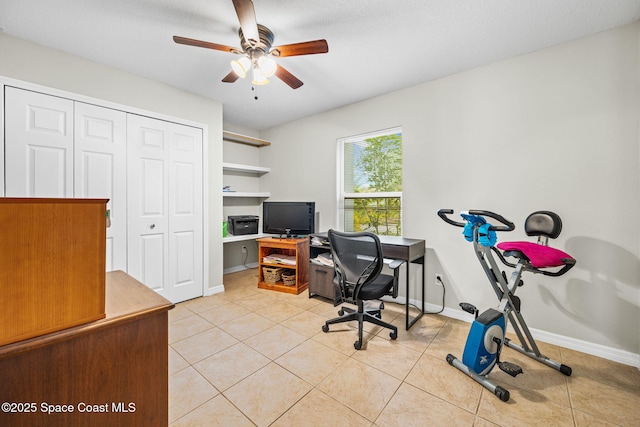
point(245, 194)
point(246, 237)
point(246, 199)
point(244, 139)
point(235, 167)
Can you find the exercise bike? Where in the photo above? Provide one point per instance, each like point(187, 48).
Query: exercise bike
point(486, 337)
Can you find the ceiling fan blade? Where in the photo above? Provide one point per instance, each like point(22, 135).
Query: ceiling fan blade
point(231, 77)
point(287, 77)
point(304, 48)
point(247, 17)
point(208, 45)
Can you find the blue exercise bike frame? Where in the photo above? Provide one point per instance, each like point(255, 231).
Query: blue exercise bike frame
point(487, 334)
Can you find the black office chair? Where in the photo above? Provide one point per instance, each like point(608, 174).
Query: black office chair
point(358, 261)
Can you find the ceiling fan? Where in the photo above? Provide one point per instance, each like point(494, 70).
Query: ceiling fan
point(257, 50)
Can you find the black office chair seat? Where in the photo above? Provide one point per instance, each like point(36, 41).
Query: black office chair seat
point(381, 285)
point(358, 264)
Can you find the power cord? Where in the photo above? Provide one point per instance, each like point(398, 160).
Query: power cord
point(246, 255)
point(244, 261)
point(444, 291)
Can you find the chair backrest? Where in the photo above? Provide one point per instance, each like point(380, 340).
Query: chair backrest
point(543, 224)
point(355, 255)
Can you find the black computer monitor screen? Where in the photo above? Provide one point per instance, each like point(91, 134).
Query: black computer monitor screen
point(291, 218)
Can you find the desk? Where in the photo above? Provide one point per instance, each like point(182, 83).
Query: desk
point(119, 364)
point(410, 250)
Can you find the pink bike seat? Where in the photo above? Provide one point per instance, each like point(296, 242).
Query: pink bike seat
point(540, 256)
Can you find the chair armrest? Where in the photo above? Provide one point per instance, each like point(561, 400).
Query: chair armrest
point(395, 266)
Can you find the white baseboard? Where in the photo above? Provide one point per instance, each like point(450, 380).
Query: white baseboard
point(215, 290)
point(609, 353)
point(238, 268)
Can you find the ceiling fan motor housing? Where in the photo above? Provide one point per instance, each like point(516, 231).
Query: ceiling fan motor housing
point(263, 45)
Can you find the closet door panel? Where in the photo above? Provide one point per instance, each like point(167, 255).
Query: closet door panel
point(148, 176)
point(164, 162)
point(153, 260)
point(185, 208)
point(38, 144)
point(100, 171)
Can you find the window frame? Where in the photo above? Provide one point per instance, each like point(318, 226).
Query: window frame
point(342, 195)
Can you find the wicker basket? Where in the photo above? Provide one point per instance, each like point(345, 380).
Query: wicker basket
point(272, 275)
point(289, 279)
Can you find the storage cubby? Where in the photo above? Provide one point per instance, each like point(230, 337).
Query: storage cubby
point(241, 172)
point(320, 275)
point(243, 179)
point(297, 249)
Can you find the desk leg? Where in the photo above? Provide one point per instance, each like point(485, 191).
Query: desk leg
point(410, 322)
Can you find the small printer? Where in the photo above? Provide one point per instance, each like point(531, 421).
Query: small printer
point(243, 224)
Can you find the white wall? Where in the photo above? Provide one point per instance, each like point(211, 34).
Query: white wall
point(29, 62)
point(557, 129)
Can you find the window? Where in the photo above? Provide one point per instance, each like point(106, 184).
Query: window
point(370, 182)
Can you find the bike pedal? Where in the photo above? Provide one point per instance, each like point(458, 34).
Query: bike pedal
point(510, 368)
point(469, 308)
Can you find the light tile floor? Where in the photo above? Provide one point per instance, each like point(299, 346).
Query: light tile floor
point(250, 357)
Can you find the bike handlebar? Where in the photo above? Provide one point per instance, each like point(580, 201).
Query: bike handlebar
point(442, 213)
point(506, 224)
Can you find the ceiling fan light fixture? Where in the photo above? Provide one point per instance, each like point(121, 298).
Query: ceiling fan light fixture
point(259, 78)
point(267, 66)
point(241, 66)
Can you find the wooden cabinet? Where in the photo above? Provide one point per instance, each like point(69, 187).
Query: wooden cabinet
point(321, 281)
point(52, 268)
point(111, 372)
point(297, 250)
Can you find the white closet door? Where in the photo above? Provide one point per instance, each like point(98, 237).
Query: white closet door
point(147, 204)
point(100, 171)
point(164, 164)
point(38, 144)
point(185, 210)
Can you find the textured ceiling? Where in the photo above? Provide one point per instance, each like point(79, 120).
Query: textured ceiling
point(375, 46)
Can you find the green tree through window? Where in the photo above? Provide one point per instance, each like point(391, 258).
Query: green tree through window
point(372, 183)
